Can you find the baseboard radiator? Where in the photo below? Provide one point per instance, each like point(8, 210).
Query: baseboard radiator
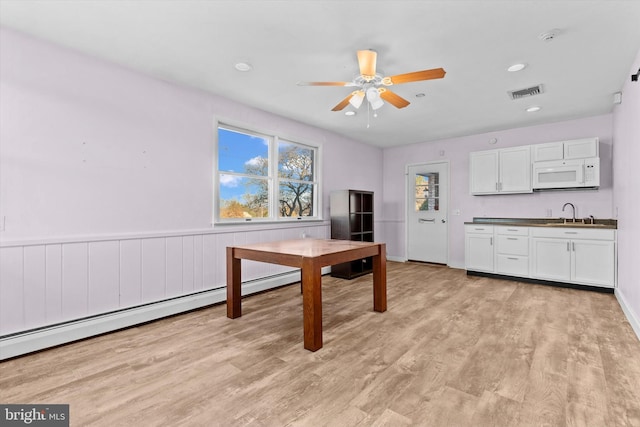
point(42, 338)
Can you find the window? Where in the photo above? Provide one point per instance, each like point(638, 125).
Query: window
point(427, 192)
point(263, 177)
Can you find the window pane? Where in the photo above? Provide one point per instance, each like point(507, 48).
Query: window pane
point(295, 162)
point(295, 199)
point(427, 192)
point(242, 197)
point(242, 153)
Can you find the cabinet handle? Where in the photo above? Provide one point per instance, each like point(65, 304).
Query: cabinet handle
point(512, 229)
point(570, 232)
point(496, 186)
point(479, 229)
point(568, 249)
point(573, 244)
point(515, 259)
point(512, 238)
point(490, 241)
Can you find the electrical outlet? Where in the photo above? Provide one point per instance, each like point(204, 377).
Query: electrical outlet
point(549, 213)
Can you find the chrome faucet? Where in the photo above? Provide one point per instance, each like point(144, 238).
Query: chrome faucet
point(573, 218)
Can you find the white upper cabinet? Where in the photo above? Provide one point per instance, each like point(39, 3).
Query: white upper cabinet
point(484, 172)
point(581, 148)
point(548, 151)
point(505, 170)
point(515, 170)
point(574, 149)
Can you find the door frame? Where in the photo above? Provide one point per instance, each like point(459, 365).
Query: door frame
point(406, 203)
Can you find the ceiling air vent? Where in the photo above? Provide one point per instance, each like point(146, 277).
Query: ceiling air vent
point(523, 93)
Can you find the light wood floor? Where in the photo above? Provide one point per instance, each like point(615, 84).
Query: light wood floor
point(451, 350)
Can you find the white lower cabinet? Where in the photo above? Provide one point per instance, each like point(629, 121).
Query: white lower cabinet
point(568, 255)
point(551, 259)
point(512, 251)
point(479, 252)
point(586, 257)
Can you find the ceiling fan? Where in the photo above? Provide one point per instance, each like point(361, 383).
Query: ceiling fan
point(371, 85)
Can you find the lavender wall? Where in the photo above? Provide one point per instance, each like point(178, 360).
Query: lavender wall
point(90, 148)
point(456, 151)
point(626, 194)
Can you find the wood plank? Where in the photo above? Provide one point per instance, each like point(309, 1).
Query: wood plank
point(406, 367)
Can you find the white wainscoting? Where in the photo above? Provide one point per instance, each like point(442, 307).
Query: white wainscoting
point(46, 283)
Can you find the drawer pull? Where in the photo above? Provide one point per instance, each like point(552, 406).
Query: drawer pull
point(479, 229)
point(570, 232)
point(512, 238)
point(515, 259)
point(512, 229)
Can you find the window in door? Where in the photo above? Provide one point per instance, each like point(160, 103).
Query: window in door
point(427, 197)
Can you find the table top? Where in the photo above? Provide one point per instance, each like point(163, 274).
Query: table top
point(308, 248)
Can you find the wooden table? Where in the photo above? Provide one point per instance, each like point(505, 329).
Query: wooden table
point(310, 255)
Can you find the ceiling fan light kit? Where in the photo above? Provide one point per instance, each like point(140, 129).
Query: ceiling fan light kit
point(370, 84)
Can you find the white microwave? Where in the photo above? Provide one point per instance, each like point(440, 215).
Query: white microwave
point(557, 174)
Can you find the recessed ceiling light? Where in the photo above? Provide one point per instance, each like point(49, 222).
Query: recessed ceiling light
point(533, 109)
point(350, 113)
point(420, 95)
point(516, 67)
point(243, 66)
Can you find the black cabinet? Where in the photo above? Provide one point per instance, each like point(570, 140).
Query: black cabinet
point(352, 219)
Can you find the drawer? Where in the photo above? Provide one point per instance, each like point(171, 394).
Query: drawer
point(513, 231)
point(573, 233)
point(512, 265)
point(478, 229)
point(513, 245)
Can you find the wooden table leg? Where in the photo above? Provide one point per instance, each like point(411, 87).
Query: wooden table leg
point(234, 295)
point(380, 279)
point(312, 304)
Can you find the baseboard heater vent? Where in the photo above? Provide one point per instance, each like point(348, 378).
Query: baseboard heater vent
point(18, 344)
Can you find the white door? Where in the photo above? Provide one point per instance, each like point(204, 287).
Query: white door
point(427, 207)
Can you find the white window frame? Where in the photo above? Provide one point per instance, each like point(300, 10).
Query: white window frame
point(273, 178)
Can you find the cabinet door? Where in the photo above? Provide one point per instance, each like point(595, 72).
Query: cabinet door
point(581, 148)
point(515, 170)
point(548, 151)
point(593, 262)
point(551, 259)
point(479, 252)
point(483, 175)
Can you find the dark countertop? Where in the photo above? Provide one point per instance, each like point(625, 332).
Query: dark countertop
point(610, 224)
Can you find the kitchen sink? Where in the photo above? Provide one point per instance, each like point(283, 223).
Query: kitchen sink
point(574, 224)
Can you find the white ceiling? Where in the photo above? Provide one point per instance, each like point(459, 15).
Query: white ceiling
point(197, 43)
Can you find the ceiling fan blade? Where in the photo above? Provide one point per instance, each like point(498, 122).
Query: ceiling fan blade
point(435, 73)
point(367, 62)
point(342, 103)
point(326, 84)
point(393, 98)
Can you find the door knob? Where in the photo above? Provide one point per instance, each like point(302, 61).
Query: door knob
point(443, 221)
